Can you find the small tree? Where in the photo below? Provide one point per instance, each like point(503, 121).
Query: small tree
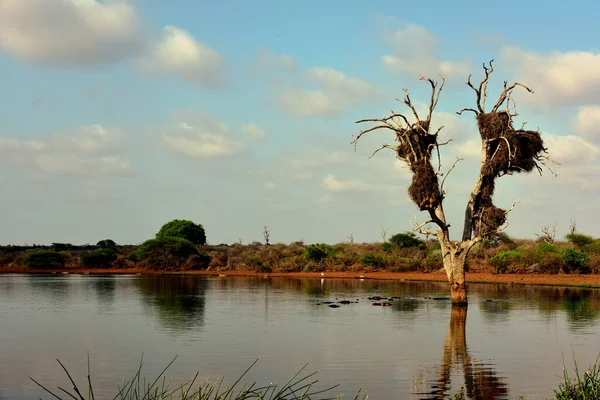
point(107, 244)
point(504, 151)
point(185, 229)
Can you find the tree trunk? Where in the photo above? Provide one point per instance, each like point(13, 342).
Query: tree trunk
point(455, 256)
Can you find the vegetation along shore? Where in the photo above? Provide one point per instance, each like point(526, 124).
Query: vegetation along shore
point(180, 246)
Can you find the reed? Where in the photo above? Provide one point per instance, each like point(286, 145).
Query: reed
point(137, 388)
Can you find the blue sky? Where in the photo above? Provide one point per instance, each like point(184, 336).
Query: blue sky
point(118, 116)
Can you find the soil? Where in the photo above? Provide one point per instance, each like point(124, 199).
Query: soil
point(471, 277)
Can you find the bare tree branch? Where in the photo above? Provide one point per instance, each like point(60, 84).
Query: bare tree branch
point(385, 146)
point(417, 227)
point(467, 109)
point(448, 173)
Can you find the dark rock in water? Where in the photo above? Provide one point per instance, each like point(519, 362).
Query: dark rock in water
point(328, 302)
point(344, 302)
point(334, 306)
point(440, 298)
point(490, 300)
point(317, 304)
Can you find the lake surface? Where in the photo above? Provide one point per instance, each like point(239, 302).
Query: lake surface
point(417, 348)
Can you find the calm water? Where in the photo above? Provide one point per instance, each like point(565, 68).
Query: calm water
point(418, 348)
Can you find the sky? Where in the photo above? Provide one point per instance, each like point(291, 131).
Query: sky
point(118, 116)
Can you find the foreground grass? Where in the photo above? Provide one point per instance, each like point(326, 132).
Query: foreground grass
point(582, 386)
point(297, 388)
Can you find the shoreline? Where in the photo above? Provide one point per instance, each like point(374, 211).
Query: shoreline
point(471, 277)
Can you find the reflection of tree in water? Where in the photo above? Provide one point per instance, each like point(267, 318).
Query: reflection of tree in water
point(496, 310)
point(581, 306)
point(480, 380)
point(178, 300)
point(105, 287)
point(54, 287)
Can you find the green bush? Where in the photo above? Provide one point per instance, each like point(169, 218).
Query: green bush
point(61, 246)
point(579, 239)
point(550, 263)
point(168, 253)
point(318, 252)
point(576, 260)
point(184, 229)
point(107, 244)
point(433, 262)
point(593, 247)
point(373, 260)
point(101, 258)
point(504, 260)
point(406, 240)
point(543, 247)
point(44, 260)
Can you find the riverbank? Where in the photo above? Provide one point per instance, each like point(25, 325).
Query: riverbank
point(472, 277)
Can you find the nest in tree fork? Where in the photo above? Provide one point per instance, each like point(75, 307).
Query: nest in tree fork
point(489, 219)
point(508, 150)
point(415, 147)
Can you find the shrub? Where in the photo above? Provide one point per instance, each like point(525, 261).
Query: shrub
point(318, 252)
point(185, 229)
point(593, 247)
point(579, 239)
point(373, 260)
point(44, 260)
point(406, 240)
point(550, 263)
point(197, 261)
point(504, 259)
point(402, 264)
point(577, 260)
point(433, 262)
point(101, 258)
point(293, 263)
point(543, 247)
point(107, 244)
point(169, 253)
point(61, 246)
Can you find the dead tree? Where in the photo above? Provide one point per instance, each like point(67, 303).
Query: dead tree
point(266, 235)
point(504, 151)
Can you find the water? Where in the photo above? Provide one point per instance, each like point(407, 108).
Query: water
point(417, 348)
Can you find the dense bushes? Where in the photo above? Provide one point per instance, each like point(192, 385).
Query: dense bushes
point(44, 260)
point(169, 253)
point(172, 250)
point(101, 258)
point(318, 252)
point(185, 229)
point(576, 260)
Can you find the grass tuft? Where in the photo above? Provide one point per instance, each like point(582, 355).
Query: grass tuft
point(296, 388)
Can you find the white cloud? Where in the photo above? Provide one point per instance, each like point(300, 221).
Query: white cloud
point(557, 78)
point(86, 151)
point(179, 53)
point(588, 121)
point(254, 131)
point(335, 93)
point(333, 184)
point(469, 149)
point(69, 32)
point(199, 135)
point(415, 51)
point(571, 150)
point(267, 59)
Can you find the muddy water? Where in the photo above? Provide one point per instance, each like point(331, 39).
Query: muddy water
point(510, 341)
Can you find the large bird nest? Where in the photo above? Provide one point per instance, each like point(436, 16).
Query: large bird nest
point(424, 189)
point(508, 150)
